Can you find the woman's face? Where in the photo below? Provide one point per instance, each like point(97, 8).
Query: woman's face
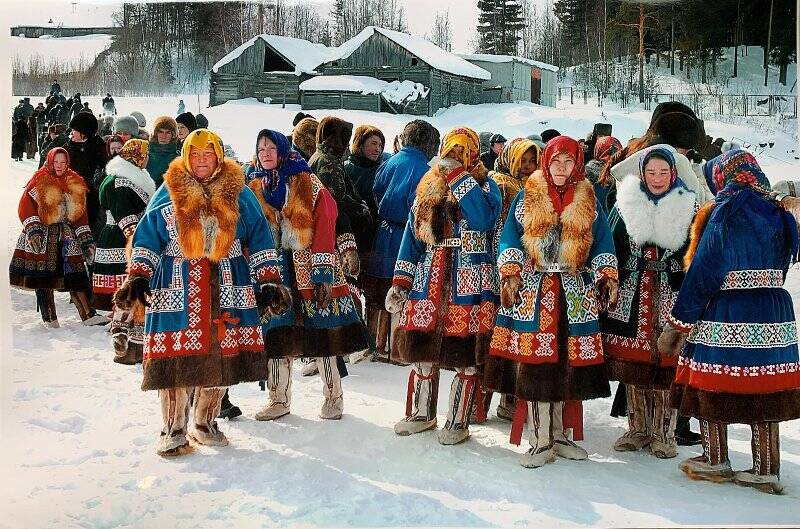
point(203, 162)
point(267, 153)
point(528, 164)
point(164, 136)
point(183, 131)
point(373, 148)
point(60, 163)
point(115, 147)
point(657, 176)
point(76, 136)
point(561, 167)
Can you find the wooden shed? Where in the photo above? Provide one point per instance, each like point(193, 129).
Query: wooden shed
point(519, 79)
point(266, 66)
point(393, 56)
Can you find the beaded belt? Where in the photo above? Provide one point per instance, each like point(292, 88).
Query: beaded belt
point(748, 279)
point(558, 268)
point(469, 242)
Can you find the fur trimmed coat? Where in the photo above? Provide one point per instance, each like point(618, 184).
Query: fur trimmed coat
point(651, 239)
point(445, 263)
point(554, 325)
point(124, 194)
point(740, 363)
point(305, 231)
point(199, 244)
point(54, 208)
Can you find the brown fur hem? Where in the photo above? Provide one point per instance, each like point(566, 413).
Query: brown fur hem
point(735, 408)
point(415, 346)
point(204, 370)
point(645, 376)
point(696, 231)
point(69, 283)
point(217, 198)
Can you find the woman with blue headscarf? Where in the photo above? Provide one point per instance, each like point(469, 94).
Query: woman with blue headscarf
point(323, 322)
point(740, 360)
point(650, 223)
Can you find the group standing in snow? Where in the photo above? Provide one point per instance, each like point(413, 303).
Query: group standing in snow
point(537, 268)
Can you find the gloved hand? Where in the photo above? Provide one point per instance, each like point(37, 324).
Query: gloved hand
point(351, 264)
point(395, 299)
point(608, 294)
point(671, 341)
point(135, 289)
point(322, 293)
point(792, 205)
point(88, 250)
point(694, 156)
point(509, 290)
point(273, 298)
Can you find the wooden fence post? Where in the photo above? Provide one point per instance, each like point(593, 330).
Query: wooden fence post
point(571, 95)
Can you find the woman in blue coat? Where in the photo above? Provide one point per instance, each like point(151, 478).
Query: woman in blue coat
point(395, 184)
point(740, 362)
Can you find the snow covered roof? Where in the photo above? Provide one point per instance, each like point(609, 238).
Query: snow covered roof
point(344, 83)
point(487, 57)
point(304, 55)
point(419, 47)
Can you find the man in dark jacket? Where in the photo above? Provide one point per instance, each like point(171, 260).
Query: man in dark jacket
point(19, 138)
point(496, 144)
point(56, 137)
point(87, 152)
point(55, 88)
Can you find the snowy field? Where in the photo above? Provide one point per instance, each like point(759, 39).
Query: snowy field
point(80, 435)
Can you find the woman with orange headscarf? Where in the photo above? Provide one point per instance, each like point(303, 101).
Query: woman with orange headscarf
point(445, 284)
point(558, 271)
point(55, 248)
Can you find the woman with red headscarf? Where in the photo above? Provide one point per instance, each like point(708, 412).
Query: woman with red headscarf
point(55, 248)
point(558, 271)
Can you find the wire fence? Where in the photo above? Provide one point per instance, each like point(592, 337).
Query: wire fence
point(704, 105)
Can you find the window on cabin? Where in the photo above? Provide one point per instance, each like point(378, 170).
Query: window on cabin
point(414, 61)
point(275, 63)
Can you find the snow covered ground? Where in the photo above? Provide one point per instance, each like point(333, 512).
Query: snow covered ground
point(79, 435)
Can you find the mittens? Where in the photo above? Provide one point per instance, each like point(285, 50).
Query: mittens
point(135, 289)
point(509, 291)
point(395, 298)
point(351, 264)
point(671, 341)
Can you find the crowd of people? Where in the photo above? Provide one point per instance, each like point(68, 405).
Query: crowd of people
point(537, 268)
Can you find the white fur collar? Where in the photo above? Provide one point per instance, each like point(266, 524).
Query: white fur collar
point(121, 167)
point(665, 224)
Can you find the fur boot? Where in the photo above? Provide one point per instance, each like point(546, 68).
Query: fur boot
point(279, 385)
point(423, 391)
point(562, 445)
point(639, 424)
point(541, 436)
point(207, 403)
point(765, 474)
point(331, 387)
point(714, 464)
point(663, 444)
point(459, 406)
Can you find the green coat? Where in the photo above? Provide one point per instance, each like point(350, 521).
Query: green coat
point(158, 158)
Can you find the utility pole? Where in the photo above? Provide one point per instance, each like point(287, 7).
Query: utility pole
point(736, 41)
point(769, 43)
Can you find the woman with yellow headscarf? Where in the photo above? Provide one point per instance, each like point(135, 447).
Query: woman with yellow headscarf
point(445, 284)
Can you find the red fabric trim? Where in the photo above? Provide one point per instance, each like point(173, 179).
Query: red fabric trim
point(573, 418)
point(746, 385)
point(455, 174)
point(402, 281)
point(471, 381)
point(480, 400)
point(410, 393)
point(518, 423)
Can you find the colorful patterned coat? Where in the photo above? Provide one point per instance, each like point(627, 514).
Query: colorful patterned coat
point(651, 240)
point(124, 194)
point(199, 244)
point(448, 269)
point(555, 323)
point(55, 208)
point(740, 363)
point(305, 231)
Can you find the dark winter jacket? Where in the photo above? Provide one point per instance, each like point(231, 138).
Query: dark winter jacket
point(361, 171)
point(488, 158)
point(158, 159)
point(59, 141)
point(19, 139)
point(85, 158)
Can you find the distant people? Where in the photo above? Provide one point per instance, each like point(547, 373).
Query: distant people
point(142, 121)
point(41, 118)
point(496, 144)
point(31, 144)
point(109, 108)
point(87, 153)
point(549, 134)
point(55, 88)
point(77, 105)
point(106, 124)
point(27, 108)
point(19, 109)
point(86, 108)
point(202, 121)
point(56, 137)
point(181, 107)
point(186, 124)
point(19, 139)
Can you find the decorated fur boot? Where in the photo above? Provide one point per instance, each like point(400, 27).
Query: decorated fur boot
point(639, 427)
point(423, 390)
point(541, 436)
point(713, 465)
point(459, 408)
point(279, 385)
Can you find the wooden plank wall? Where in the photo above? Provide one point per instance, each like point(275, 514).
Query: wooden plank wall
point(225, 87)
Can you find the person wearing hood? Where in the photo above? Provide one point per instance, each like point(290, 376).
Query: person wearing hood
point(202, 121)
point(163, 149)
point(519, 159)
point(558, 272)
point(650, 224)
point(124, 194)
point(181, 107)
point(735, 326)
point(304, 137)
point(77, 105)
point(445, 286)
point(109, 107)
point(366, 154)
point(186, 124)
point(604, 148)
point(55, 248)
point(354, 222)
point(393, 192)
point(87, 154)
point(203, 266)
point(322, 323)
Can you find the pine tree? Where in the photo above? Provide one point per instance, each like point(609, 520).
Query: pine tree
point(499, 25)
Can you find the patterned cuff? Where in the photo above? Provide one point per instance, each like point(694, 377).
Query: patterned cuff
point(322, 274)
point(143, 262)
point(32, 222)
point(268, 274)
point(84, 235)
point(403, 281)
point(606, 272)
point(509, 270)
point(680, 326)
point(128, 224)
point(455, 175)
point(346, 242)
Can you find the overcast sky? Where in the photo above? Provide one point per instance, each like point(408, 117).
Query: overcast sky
point(420, 14)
